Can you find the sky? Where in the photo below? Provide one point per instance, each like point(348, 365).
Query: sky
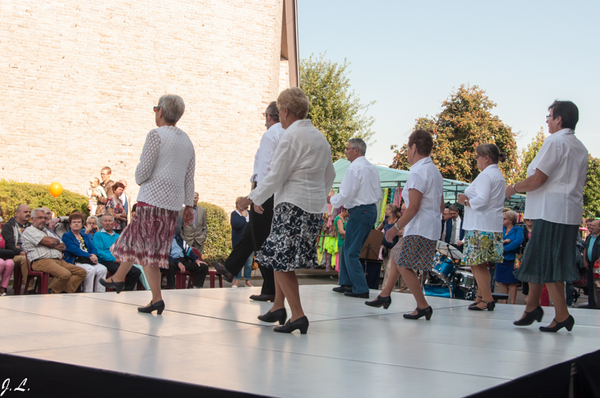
point(409, 57)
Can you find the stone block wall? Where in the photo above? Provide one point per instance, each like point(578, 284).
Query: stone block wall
point(78, 81)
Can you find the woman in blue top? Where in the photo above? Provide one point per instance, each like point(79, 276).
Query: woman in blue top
point(512, 238)
point(80, 251)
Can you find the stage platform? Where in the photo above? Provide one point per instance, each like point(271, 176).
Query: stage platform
point(212, 338)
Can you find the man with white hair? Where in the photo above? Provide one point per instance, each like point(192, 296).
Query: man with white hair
point(360, 191)
point(44, 251)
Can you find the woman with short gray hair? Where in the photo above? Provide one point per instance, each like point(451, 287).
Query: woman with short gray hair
point(166, 178)
point(512, 238)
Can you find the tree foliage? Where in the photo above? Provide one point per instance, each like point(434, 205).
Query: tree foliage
point(591, 193)
point(334, 107)
point(218, 239)
point(14, 193)
point(465, 122)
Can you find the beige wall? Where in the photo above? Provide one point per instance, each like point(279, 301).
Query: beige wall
point(78, 81)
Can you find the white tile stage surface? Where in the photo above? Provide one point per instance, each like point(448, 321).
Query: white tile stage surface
point(212, 337)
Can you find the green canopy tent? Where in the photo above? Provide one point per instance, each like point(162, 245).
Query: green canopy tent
point(394, 178)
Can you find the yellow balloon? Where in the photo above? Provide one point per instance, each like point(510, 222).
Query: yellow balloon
point(56, 189)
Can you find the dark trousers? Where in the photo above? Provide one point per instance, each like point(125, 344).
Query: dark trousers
point(131, 278)
point(199, 272)
point(590, 286)
point(256, 232)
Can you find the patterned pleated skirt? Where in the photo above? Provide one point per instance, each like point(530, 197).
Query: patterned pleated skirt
point(551, 254)
point(292, 243)
point(414, 252)
point(147, 239)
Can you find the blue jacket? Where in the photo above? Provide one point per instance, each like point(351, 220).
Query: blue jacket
point(73, 249)
point(185, 248)
point(516, 238)
point(103, 242)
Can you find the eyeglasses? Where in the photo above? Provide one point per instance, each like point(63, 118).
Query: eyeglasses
point(156, 108)
point(548, 117)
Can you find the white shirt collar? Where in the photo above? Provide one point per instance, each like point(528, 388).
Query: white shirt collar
point(111, 233)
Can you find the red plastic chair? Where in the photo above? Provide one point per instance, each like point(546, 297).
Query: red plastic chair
point(42, 279)
point(183, 282)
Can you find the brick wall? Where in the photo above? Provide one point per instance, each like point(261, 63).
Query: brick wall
point(79, 79)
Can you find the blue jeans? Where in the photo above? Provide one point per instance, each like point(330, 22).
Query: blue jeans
point(247, 269)
point(360, 223)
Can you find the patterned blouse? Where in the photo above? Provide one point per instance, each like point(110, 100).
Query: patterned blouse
point(117, 209)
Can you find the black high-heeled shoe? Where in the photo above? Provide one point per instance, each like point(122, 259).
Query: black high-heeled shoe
point(118, 286)
point(274, 316)
point(159, 306)
point(380, 302)
point(490, 305)
point(427, 312)
point(289, 327)
point(567, 323)
point(475, 304)
point(535, 315)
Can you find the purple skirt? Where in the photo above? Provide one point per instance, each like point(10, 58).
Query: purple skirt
point(147, 239)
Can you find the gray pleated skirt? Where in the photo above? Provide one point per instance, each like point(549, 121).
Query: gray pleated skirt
point(551, 254)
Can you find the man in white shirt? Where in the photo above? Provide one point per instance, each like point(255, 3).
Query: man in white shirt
point(359, 193)
point(453, 232)
point(259, 226)
point(44, 251)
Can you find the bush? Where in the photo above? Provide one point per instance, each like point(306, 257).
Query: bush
point(218, 241)
point(14, 193)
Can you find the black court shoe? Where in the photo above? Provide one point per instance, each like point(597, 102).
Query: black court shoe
point(342, 289)
point(567, 323)
point(159, 307)
point(380, 302)
point(118, 286)
point(274, 316)
point(289, 327)
point(490, 305)
point(535, 315)
point(427, 312)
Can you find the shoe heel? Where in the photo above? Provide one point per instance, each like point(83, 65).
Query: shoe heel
point(428, 314)
point(160, 311)
point(387, 305)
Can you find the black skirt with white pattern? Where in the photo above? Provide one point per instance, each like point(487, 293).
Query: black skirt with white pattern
point(292, 243)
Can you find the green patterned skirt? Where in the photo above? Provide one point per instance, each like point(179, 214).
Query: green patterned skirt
point(483, 247)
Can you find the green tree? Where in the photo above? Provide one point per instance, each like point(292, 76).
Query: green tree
point(334, 107)
point(591, 193)
point(528, 154)
point(465, 122)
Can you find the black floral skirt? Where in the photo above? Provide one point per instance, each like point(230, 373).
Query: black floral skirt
point(292, 243)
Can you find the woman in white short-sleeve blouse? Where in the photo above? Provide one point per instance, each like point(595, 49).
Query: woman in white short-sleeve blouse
point(555, 182)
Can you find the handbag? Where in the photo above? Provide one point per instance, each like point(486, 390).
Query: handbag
point(6, 254)
point(83, 260)
point(518, 260)
point(596, 270)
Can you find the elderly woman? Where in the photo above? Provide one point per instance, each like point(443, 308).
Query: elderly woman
point(423, 195)
point(91, 225)
point(301, 174)
point(166, 178)
point(115, 207)
point(512, 239)
point(484, 201)
point(80, 251)
point(554, 186)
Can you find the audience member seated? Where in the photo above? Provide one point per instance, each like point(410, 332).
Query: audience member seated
point(58, 225)
point(45, 251)
point(115, 207)
point(12, 233)
point(91, 226)
point(81, 252)
point(182, 258)
point(6, 266)
point(103, 240)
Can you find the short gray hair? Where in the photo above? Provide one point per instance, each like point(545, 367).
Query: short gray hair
point(35, 211)
point(172, 106)
point(108, 214)
point(359, 144)
point(91, 218)
point(512, 216)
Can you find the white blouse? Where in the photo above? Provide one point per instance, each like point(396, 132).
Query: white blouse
point(486, 201)
point(301, 170)
point(564, 159)
point(166, 169)
point(268, 144)
point(427, 179)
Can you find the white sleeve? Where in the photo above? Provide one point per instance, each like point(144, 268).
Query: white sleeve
point(148, 157)
point(348, 190)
